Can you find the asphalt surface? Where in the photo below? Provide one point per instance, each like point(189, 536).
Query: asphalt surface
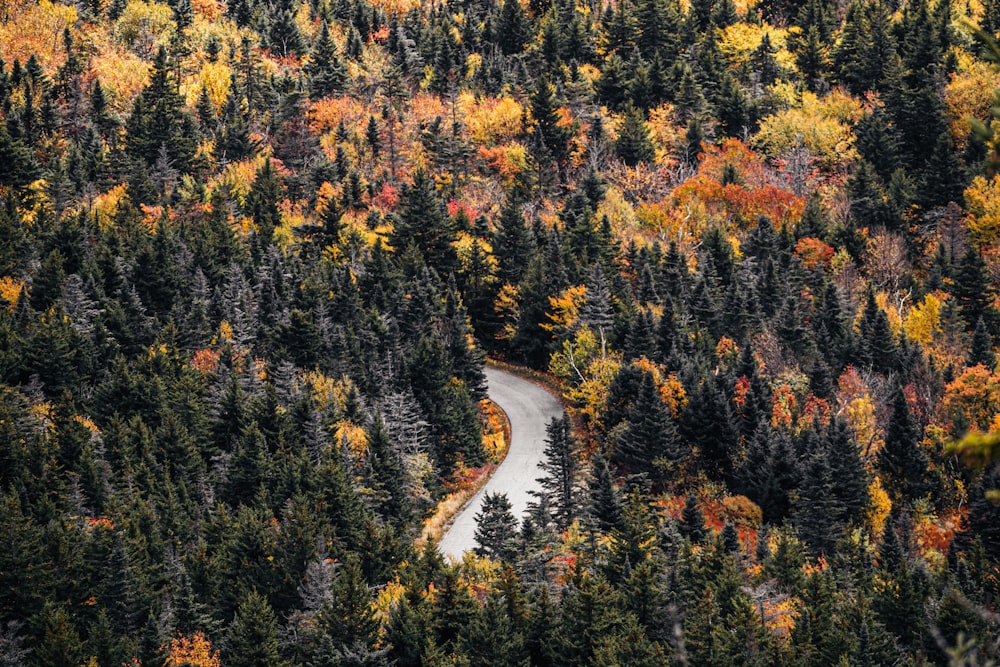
point(529, 409)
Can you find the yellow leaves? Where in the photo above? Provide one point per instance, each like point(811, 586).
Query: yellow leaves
point(495, 442)
point(923, 323)
point(329, 393)
point(192, 651)
point(564, 309)
point(507, 310)
point(821, 125)
point(37, 28)
point(215, 78)
point(352, 436)
point(123, 75)
point(10, 291)
point(491, 120)
point(105, 205)
point(739, 40)
point(666, 134)
point(144, 26)
point(970, 94)
point(464, 249)
point(238, 178)
point(326, 114)
point(982, 200)
point(879, 507)
point(972, 400)
point(620, 213)
point(573, 358)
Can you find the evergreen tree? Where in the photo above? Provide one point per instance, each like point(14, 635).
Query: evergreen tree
point(562, 467)
point(634, 144)
point(423, 224)
point(981, 350)
point(649, 444)
point(496, 528)
point(902, 458)
point(325, 70)
point(252, 640)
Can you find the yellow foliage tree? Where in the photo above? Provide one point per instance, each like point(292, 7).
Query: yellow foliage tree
point(923, 323)
point(970, 94)
point(193, 651)
point(37, 28)
point(982, 199)
point(145, 26)
point(491, 120)
point(821, 125)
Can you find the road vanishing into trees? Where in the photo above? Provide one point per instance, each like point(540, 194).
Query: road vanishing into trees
point(529, 409)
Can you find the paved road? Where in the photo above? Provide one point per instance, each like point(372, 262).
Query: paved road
point(529, 409)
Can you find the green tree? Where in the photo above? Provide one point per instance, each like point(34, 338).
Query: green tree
point(252, 640)
point(325, 69)
point(496, 528)
point(634, 144)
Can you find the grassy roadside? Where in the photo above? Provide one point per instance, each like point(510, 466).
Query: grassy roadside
point(466, 482)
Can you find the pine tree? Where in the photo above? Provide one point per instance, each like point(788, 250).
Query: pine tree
point(158, 119)
point(496, 528)
point(649, 444)
point(325, 69)
point(551, 138)
point(902, 458)
point(283, 35)
point(513, 29)
point(692, 524)
point(605, 500)
point(974, 291)
point(981, 350)
point(634, 144)
point(562, 468)
point(252, 640)
point(422, 223)
point(878, 347)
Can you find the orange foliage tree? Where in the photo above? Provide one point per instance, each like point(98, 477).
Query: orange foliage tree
point(734, 185)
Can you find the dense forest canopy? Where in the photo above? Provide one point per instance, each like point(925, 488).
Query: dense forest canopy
point(254, 254)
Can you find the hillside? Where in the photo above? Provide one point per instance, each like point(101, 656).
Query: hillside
point(254, 254)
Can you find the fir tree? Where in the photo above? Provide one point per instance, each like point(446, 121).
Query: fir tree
point(496, 528)
point(634, 144)
point(902, 457)
point(325, 70)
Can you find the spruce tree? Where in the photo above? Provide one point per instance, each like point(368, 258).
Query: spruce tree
point(325, 69)
point(902, 458)
point(634, 144)
point(561, 483)
point(496, 528)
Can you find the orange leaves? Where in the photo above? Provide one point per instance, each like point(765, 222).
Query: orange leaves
point(192, 651)
point(37, 28)
point(814, 253)
point(10, 291)
point(123, 75)
point(972, 401)
point(756, 193)
point(206, 361)
point(491, 120)
point(326, 114)
point(507, 161)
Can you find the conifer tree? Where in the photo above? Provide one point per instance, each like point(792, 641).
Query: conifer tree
point(902, 458)
point(981, 350)
point(496, 527)
point(325, 70)
point(422, 223)
point(634, 144)
point(252, 639)
point(561, 483)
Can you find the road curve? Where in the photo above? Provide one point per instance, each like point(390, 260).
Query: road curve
point(529, 409)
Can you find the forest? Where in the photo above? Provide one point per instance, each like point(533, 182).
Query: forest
point(255, 254)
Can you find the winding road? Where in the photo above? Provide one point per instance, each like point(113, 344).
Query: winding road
point(529, 409)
